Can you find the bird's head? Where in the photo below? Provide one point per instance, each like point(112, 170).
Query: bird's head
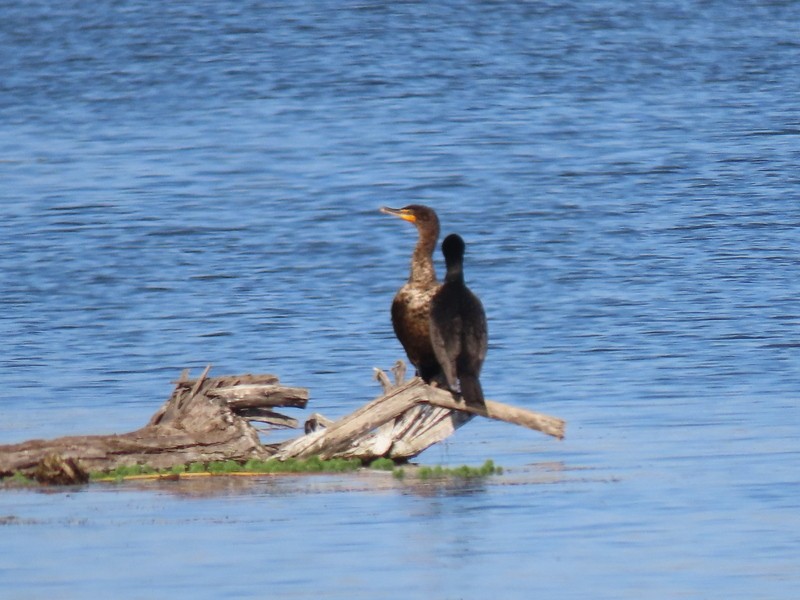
point(423, 217)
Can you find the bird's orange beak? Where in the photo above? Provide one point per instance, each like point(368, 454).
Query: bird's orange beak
point(404, 214)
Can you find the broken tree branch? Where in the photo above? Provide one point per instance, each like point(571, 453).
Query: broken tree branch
point(257, 396)
point(394, 426)
point(500, 412)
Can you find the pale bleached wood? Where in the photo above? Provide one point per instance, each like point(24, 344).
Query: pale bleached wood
point(437, 425)
point(335, 439)
point(295, 447)
point(407, 420)
point(382, 378)
point(399, 372)
point(408, 435)
point(201, 422)
point(252, 395)
point(502, 412)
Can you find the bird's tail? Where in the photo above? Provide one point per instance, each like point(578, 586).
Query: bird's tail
point(471, 389)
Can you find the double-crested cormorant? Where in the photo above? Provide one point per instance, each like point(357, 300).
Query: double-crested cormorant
point(458, 326)
point(411, 305)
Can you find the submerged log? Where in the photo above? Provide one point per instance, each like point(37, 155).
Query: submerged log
point(207, 419)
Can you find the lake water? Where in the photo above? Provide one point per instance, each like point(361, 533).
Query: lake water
point(199, 182)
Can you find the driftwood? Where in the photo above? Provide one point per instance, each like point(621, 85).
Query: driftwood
point(208, 419)
point(198, 423)
point(405, 421)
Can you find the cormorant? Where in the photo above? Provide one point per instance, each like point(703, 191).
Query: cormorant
point(411, 305)
point(458, 326)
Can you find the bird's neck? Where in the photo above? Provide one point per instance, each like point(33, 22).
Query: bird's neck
point(422, 269)
point(455, 273)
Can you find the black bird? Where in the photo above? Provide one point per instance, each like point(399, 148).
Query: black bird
point(411, 305)
point(458, 326)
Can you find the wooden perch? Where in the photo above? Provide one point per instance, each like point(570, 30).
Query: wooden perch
point(207, 419)
point(500, 412)
point(364, 433)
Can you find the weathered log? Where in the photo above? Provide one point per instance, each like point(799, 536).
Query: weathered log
point(258, 395)
point(206, 419)
point(191, 426)
point(240, 392)
point(329, 441)
point(395, 427)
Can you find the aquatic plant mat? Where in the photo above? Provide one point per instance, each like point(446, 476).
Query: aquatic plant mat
point(208, 420)
point(310, 466)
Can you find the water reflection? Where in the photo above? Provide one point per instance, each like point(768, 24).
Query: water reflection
point(439, 490)
point(289, 484)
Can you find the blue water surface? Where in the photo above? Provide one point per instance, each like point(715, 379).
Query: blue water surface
point(198, 183)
